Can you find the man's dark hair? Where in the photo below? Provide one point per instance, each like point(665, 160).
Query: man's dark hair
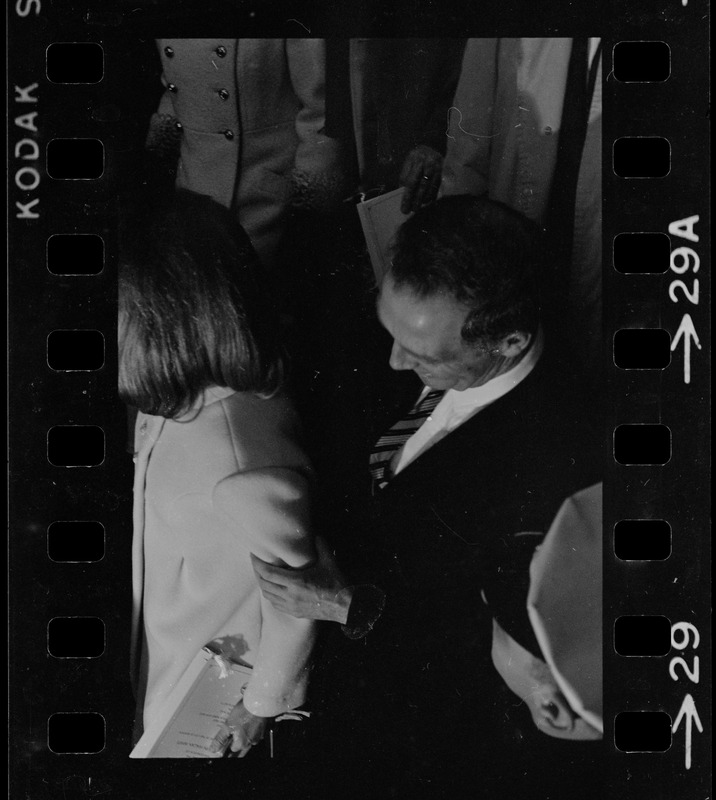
point(482, 253)
point(192, 309)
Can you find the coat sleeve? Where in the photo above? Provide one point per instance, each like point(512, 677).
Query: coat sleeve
point(269, 511)
point(316, 177)
point(163, 138)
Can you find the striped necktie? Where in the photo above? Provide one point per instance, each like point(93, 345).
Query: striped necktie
point(393, 440)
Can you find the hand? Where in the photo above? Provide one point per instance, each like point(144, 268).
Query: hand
point(316, 592)
point(241, 731)
point(421, 174)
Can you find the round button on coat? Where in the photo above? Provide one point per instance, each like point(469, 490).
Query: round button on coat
point(221, 51)
point(169, 52)
point(228, 134)
point(172, 88)
point(223, 94)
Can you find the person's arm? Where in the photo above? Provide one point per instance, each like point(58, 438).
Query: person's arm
point(268, 511)
point(318, 591)
point(316, 176)
point(163, 137)
point(240, 731)
point(422, 168)
point(321, 592)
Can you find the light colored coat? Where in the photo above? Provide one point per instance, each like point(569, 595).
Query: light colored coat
point(211, 488)
point(250, 114)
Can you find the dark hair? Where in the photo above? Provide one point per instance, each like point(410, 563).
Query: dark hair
point(192, 310)
point(481, 252)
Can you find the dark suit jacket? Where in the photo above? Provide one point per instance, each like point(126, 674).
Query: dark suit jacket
point(442, 532)
point(417, 705)
point(401, 90)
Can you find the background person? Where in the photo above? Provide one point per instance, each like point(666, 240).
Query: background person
point(391, 96)
point(247, 117)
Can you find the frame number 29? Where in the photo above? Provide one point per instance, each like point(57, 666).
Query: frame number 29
point(683, 635)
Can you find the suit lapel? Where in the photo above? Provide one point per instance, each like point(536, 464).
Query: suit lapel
point(483, 431)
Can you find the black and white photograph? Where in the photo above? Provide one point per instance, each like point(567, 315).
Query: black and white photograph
point(359, 402)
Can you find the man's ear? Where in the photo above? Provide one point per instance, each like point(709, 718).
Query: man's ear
point(514, 344)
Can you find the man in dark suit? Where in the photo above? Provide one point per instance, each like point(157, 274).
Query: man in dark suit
point(465, 486)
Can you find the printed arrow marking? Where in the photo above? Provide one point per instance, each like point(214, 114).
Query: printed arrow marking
point(687, 330)
point(688, 713)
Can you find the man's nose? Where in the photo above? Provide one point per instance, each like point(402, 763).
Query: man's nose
point(399, 359)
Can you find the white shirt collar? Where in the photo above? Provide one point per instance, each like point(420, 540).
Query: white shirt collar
point(498, 387)
point(456, 407)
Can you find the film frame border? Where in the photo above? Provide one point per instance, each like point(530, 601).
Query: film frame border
point(677, 490)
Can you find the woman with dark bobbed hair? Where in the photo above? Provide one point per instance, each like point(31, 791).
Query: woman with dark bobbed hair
point(219, 473)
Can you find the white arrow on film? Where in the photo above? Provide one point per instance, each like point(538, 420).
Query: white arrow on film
point(687, 330)
point(688, 713)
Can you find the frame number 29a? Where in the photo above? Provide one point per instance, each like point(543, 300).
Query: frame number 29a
point(683, 260)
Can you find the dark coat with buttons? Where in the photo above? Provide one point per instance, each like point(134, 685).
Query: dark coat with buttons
point(250, 114)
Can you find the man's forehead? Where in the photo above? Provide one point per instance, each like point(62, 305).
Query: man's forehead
point(437, 308)
point(391, 285)
point(427, 328)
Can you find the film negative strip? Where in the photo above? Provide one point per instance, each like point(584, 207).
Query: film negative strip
point(78, 109)
point(650, 397)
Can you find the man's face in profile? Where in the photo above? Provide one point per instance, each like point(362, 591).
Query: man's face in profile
point(427, 338)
